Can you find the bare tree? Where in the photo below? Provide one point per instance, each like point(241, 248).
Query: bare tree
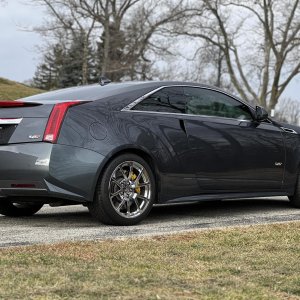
point(288, 110)
point(67, 21)
point(259, 40)
point(110, 15)
point(210, 66)
point(146, 32)
point(123, 28)
point(136, 26)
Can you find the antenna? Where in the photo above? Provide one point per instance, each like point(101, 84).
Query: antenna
point(104, 81)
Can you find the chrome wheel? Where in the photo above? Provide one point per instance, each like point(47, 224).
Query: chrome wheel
point(125, 192)
point(130, 189)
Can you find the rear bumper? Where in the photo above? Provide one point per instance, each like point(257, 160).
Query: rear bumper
point(47, 170)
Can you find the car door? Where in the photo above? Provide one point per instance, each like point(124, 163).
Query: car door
point(228, 150)
point(162, 111)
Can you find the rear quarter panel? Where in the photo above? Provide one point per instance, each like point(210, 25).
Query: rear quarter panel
point(107, 132)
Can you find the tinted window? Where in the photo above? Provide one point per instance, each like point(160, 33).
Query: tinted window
point(212, 103)
point(171, 100)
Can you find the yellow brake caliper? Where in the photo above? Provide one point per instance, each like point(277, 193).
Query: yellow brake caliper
point(137, 189)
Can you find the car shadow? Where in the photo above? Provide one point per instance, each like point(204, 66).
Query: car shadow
point(78, 216)
point(221, 207)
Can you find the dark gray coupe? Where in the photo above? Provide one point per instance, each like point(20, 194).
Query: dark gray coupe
point(120, 148)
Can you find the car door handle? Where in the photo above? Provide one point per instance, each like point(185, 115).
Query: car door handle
point(289, 130)
point(244, 123)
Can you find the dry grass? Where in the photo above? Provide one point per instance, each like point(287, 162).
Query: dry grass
point(10, 90)
point(259, 262)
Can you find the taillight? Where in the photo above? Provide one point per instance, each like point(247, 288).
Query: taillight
point(56, 119)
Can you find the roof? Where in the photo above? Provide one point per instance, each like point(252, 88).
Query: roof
point(98, 92)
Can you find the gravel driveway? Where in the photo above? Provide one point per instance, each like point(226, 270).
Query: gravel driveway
point(73, 223)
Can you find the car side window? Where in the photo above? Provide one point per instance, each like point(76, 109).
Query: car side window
point(170, 100)
point(212, 103)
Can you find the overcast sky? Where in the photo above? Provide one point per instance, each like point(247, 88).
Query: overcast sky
point(18, 48)
point(18, 54)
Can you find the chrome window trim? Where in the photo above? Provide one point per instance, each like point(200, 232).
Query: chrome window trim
point(129, 107)
point(189, 115)
point(10, 121)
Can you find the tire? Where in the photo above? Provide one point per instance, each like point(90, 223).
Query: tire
point(125, 192)
point(295, 199)
point(10, 208)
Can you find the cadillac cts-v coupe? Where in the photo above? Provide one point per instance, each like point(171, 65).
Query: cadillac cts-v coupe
point(120, 148)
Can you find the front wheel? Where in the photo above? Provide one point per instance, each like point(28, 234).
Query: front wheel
point(125, 192)
point(10, 208)
point(295, 199)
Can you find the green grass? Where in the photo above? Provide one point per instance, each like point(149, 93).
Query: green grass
point(10, 90)
point(258, 262)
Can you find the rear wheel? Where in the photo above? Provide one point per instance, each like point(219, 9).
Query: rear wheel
point(295, 199)
point(10, 208)
point(125, 192)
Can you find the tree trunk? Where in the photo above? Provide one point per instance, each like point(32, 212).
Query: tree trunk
point(105, 61)
point(85, 61)
point(219, 74)
point(275, 86)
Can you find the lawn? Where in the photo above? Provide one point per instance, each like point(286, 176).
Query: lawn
point(257, 262)
point(10, 90)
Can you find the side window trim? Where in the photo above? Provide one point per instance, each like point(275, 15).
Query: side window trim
point(130, 106)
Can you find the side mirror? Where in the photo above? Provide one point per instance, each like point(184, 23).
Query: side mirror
point(260, 114)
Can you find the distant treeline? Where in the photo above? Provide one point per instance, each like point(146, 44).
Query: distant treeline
point(249, 47)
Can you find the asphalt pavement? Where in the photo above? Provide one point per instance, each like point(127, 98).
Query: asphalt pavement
point(73, 223)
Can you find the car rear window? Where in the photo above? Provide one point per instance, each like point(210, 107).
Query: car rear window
point(90, 92)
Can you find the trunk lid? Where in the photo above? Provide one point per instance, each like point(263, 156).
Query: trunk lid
point(23, 122)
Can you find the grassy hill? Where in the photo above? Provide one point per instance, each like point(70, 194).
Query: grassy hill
point(11, 90)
